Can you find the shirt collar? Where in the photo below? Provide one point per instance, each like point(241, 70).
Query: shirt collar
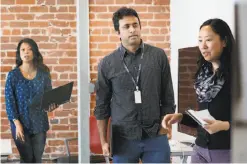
point(124, 52)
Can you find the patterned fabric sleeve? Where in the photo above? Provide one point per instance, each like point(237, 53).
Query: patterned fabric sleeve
point(47, 84)
point(167, 94)
point(10, 98)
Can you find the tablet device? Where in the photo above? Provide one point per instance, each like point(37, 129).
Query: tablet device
point(59, 95)
point(199, 116)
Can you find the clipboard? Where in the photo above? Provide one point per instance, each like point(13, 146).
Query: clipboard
point(59, 95)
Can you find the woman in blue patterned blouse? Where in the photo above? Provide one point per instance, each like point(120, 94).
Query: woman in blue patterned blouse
point(24, 88)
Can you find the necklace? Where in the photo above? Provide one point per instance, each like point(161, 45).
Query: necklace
point(28, 73)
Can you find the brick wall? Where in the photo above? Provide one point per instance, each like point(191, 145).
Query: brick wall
point(52, 24)
point(155, 21)
point(186, 93)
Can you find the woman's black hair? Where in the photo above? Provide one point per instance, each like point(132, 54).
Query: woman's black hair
point(37, 57)
point(221, 28)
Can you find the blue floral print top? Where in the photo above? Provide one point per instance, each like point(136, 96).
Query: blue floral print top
point(23, 100)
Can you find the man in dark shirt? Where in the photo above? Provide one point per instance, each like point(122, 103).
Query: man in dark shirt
point(134, 88)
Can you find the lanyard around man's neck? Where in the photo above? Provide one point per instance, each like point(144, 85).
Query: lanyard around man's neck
point(139, 70)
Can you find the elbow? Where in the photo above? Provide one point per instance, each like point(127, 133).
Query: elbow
point(101, 114)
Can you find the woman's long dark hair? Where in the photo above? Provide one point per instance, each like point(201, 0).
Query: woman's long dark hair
point(221, 28)
point(37, 57)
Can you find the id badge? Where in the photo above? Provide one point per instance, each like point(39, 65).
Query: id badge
point(138, 99)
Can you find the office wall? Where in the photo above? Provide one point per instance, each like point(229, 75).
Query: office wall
point(239, 80)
